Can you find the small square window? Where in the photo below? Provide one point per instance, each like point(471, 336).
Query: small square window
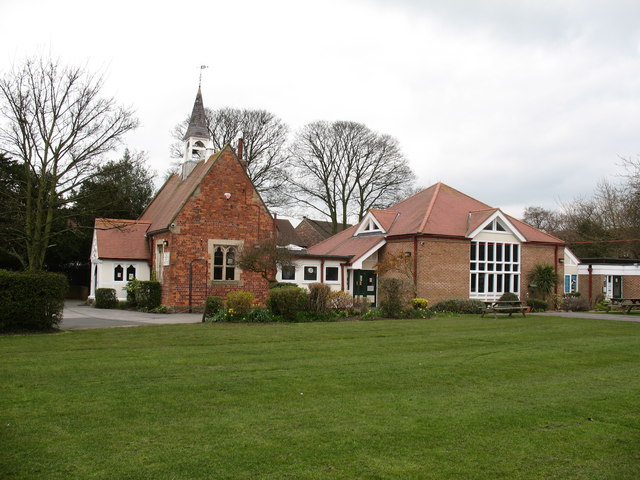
point(289, 272)
point(331, 274)
point(311, 273)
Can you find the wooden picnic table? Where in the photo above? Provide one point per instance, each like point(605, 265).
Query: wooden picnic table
point(627, 304)
point(505, 306)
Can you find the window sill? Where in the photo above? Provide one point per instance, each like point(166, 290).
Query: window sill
point(238, 283)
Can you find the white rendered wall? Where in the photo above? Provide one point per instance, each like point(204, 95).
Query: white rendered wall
point(301, 264)
point(105, 275)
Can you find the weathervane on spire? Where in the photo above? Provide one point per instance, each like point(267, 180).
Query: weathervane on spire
point(202, 67)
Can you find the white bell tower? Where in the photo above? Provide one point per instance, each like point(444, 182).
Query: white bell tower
point(197, 142)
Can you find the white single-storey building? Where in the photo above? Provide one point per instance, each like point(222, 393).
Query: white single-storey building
point(119, 253)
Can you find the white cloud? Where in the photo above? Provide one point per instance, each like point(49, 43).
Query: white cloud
point(515, 103)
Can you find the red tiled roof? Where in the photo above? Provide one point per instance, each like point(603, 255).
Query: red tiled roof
point(385, 217)
point(477, 218)
point(168, 202)
point(345, 244)
point(123, 239)
point(438, 210)
point(532, 234)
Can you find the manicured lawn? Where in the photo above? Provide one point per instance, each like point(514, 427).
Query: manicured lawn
point(446, 398)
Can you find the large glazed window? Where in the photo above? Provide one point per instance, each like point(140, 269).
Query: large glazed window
point(494, 269)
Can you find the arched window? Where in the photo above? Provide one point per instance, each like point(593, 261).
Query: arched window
point(224, 263)
point(131, 273)
point(118, 273)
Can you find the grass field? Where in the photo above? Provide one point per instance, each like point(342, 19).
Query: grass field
point(446, 398)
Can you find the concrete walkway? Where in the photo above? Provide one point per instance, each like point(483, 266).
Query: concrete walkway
point(77, 315)
point(596, 315)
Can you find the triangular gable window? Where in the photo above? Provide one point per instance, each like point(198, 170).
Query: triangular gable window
point(495, 226)
point(372, 226)
point(369, 225)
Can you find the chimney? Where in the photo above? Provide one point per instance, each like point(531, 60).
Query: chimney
point(241, 153)
point(240, 147)
point(187, 168)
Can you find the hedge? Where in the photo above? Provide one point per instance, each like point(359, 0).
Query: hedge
point(287, 301)
point(537, 305)
point(459, 305)
point(148, 295)
point(31, 301)
point(106, 298)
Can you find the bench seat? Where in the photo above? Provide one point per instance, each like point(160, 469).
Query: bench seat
point(509, 307)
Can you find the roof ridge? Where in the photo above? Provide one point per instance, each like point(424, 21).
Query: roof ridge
point(126, 220)
point(425, 219)
point(486, 209)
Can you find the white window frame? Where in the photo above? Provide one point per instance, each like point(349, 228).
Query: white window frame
point(369, 224)
point(490, 273)
point(304, 273)
point(492, 226)
point(573, 283)
point(326, 279)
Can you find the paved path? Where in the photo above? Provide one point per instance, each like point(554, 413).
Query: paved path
point(78, 315)
point(596, 315)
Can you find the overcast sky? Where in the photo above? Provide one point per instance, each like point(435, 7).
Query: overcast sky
point(515, 103)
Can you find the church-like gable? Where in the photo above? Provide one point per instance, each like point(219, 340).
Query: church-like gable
point(198, 223)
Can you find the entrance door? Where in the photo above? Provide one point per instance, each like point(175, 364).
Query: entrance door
point(364, 285)
point(617, 286)
point(613, 287)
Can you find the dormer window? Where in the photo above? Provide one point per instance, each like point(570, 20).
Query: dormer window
point(495, 226)
point(370, 226)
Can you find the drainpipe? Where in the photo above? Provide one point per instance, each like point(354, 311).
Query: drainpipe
point(590, 270)
point(555, 268)
point(415, 266)
point(322, 270)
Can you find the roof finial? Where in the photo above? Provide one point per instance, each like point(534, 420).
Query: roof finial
point(202, 67)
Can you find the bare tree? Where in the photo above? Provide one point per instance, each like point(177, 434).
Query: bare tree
point(57, 126)
point(265, 259)
point(541, 218)
point(264, 136)
point(342, 169)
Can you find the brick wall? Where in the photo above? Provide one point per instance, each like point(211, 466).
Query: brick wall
point(539, 254)
point(443, 269)
point(443, 266)
point(630, 286)
point(209, 215)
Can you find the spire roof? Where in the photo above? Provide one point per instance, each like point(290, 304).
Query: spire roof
point(198, 122)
